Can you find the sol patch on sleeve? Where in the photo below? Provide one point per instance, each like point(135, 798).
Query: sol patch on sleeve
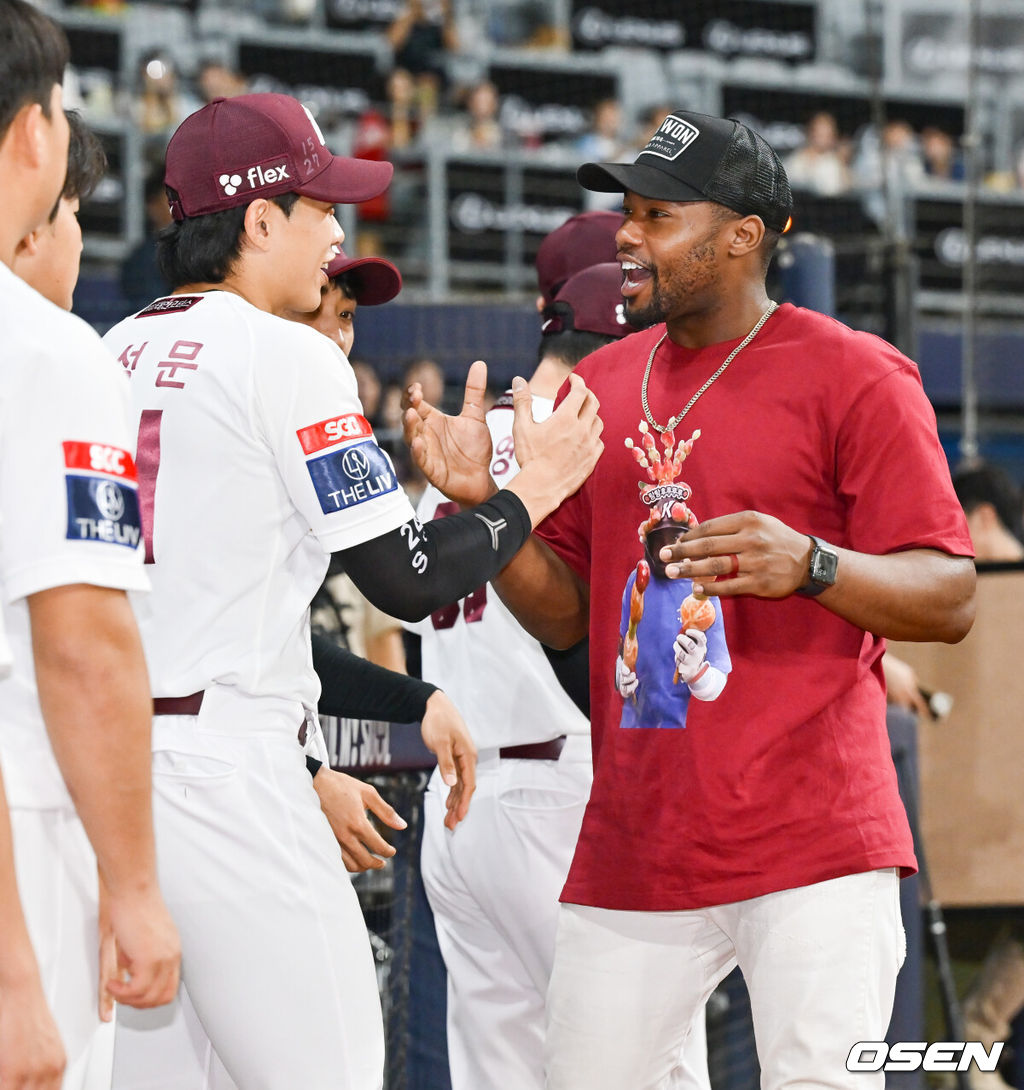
point(103, 494)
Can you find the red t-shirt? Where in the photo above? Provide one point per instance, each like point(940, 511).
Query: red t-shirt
point(786, 778)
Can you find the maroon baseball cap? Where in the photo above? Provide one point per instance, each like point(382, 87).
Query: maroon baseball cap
point(589, 302)
point(234, 150)
point(584, 240)
point(374, 279)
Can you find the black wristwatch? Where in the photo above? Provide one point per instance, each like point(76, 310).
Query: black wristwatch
point(822, 573)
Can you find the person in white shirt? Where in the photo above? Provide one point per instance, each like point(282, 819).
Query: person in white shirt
point(255, 463)
point(74, 699)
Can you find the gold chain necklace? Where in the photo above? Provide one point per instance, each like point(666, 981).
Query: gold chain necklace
point(673, 423)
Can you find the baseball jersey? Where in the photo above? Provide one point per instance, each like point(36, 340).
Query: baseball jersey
point(255, 463)
point(476, 651)
point(786, 778)
point(69, 510)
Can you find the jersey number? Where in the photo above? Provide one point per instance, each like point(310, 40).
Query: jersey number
point(472, 606)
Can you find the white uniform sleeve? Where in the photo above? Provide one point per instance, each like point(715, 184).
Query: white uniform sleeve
point(335, 472)
point(70, 507)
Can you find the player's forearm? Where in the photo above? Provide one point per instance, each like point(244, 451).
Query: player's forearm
point(918, 595)
point(411, 571)
point(546, 596)
point(17, 958)
point(95, 698)
point(354, 688)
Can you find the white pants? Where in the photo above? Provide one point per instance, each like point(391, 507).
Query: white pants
point(56, 872)
point(275, 955)
point(493, 885)
point(820, 964)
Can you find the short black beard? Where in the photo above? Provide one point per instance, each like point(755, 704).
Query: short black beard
point(644, 317)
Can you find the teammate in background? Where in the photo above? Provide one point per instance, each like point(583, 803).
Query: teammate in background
point(338, 609)
point(767, 831)
point(49, 257)
point(992, 503)
point(494, 884)
point(583, 240)
point(74, 728)
point(254, 452)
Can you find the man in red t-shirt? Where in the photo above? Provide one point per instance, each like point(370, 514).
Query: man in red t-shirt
point(760, 826)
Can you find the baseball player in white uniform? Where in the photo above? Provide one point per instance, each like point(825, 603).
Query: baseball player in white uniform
point(74, 700)
point(255, 463)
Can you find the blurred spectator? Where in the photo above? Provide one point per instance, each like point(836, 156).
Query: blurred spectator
point(427, 372)
point(820, 165)
point(217, 80)
point(1006, 181)
point(370, 390)
point(603, 142)
point(942, 158)
point(159, 103)
point(403, 115)
point(479, 127)
point(141, 278)
point(887, 166)
point(420, 35)
point(892, 158)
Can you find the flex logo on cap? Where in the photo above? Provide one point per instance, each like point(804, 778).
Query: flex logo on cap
point(673, 137)
point(257, 176)
point(230, 183)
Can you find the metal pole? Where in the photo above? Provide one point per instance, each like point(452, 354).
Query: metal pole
point(969, 283)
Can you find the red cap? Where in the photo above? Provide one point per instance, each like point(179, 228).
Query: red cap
point(234, 150)
point(589, 302)
point(376, 281)
point(585, 240)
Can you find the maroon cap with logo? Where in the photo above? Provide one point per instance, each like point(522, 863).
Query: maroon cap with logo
point(585, 240)
point(234, 150)
point(589, 302)
point(374, 280)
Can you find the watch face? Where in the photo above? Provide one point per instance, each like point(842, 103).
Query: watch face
point(823, 566)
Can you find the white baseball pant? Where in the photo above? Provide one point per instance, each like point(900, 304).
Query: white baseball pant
point(56, 872)
point(275, 955)
point(493, 885)
point(820, 964)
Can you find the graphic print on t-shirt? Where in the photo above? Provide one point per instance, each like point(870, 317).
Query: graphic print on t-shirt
point(664, 625)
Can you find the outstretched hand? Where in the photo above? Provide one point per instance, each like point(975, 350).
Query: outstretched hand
point(446, 735)
point(453, 452)
point(558, 454)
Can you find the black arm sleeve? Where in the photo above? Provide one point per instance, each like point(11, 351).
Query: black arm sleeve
point(416, 569)
point(356, 689)
point(572, 668)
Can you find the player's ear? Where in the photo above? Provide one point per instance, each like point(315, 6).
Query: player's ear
point(256, 224)
point(746, 235)
point(28, 246)
point(26, 134)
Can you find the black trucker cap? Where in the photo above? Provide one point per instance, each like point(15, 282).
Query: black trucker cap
point(696, 157)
